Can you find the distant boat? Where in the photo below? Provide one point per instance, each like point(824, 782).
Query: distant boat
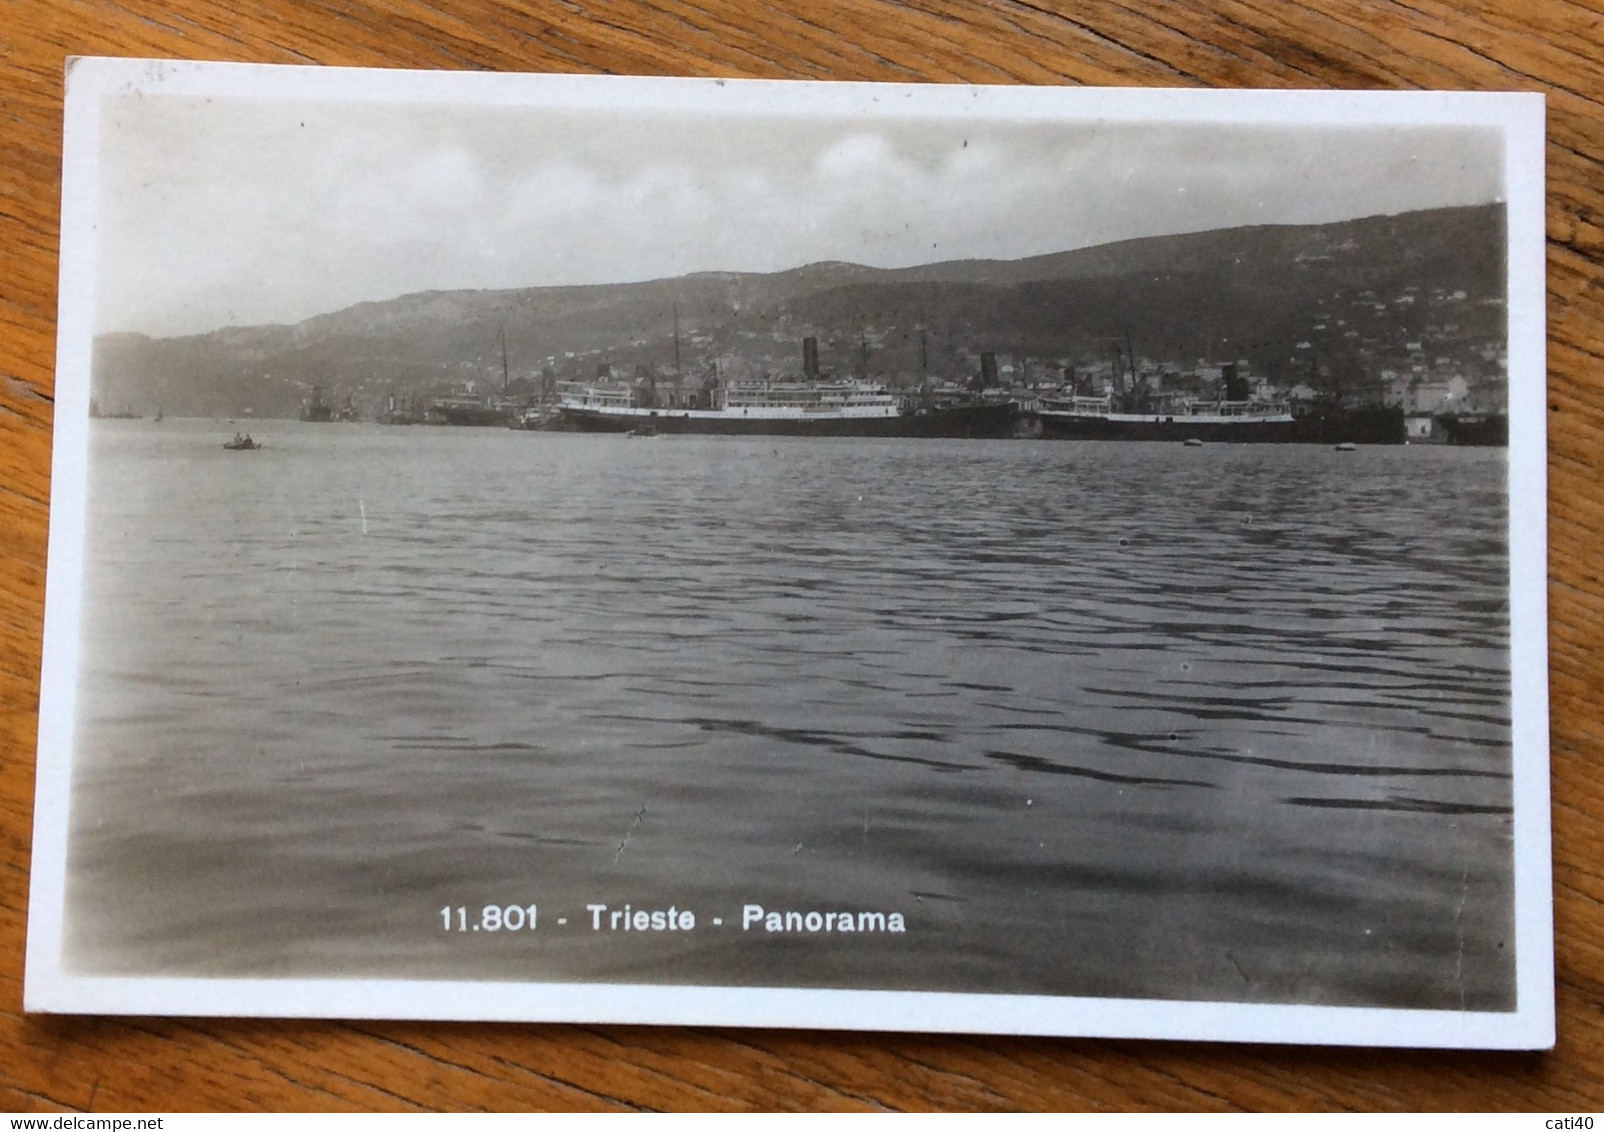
point(319, 411)
point(127, 413)
point(464, 406)
point(1347, 446)
point(401, 411)
point(1193, 442)
point(242, 444)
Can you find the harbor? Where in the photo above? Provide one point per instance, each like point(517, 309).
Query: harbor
point(1234, 710)
point(1380, 330)
point(1208, 404)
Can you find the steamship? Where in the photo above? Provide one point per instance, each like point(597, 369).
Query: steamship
point(781, 408)
point(811, 406)
point(1170, 418)
point(464, 406)
point(1236, 418)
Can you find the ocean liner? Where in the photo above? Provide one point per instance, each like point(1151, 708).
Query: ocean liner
point(786, 406)
point(1170, 418)
point(1237, 416)
point(781, 408)
point(1243, 422)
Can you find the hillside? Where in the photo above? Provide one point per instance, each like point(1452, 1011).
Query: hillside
point(1420, 293)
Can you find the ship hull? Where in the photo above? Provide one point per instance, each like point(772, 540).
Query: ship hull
point(963, 422)
point(1363, 426)
point(979, 421)
point(1482, 432)
point(470, 418)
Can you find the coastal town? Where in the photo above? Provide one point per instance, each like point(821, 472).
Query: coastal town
point(1429, 389)
point(1391, 328)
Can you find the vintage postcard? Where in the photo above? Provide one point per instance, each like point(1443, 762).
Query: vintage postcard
point(1015, 560)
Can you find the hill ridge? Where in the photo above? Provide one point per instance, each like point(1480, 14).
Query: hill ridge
point(1256, 292)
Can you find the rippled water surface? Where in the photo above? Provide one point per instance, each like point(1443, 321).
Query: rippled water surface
point(1106, 719)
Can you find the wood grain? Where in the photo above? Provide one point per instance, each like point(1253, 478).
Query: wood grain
point(1554, 46)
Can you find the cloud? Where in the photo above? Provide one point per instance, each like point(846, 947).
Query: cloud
point(253, 211)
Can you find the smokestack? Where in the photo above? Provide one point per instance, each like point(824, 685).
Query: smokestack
point(810, 358)
point(1236, 388)
point(988, 369)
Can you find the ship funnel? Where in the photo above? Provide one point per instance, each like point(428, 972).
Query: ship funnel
point(988, 369)
point(810, 358)
point(1236, 387)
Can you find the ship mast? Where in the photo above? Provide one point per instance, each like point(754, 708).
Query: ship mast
point(503, 336)
point(927, 395)
point(676, 343)
point(1130, 362)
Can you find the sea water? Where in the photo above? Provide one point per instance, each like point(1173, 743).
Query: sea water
point(1125, 719)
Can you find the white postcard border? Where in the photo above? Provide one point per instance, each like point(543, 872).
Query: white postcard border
point(48, 988)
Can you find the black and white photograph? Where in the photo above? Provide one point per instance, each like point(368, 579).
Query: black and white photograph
point(797, 554)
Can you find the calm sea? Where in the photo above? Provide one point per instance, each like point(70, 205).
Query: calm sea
point(1227, 722)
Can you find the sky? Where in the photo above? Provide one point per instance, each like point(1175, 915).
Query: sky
point(220, 211)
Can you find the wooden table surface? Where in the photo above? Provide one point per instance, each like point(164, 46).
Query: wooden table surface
point(1553, 46)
